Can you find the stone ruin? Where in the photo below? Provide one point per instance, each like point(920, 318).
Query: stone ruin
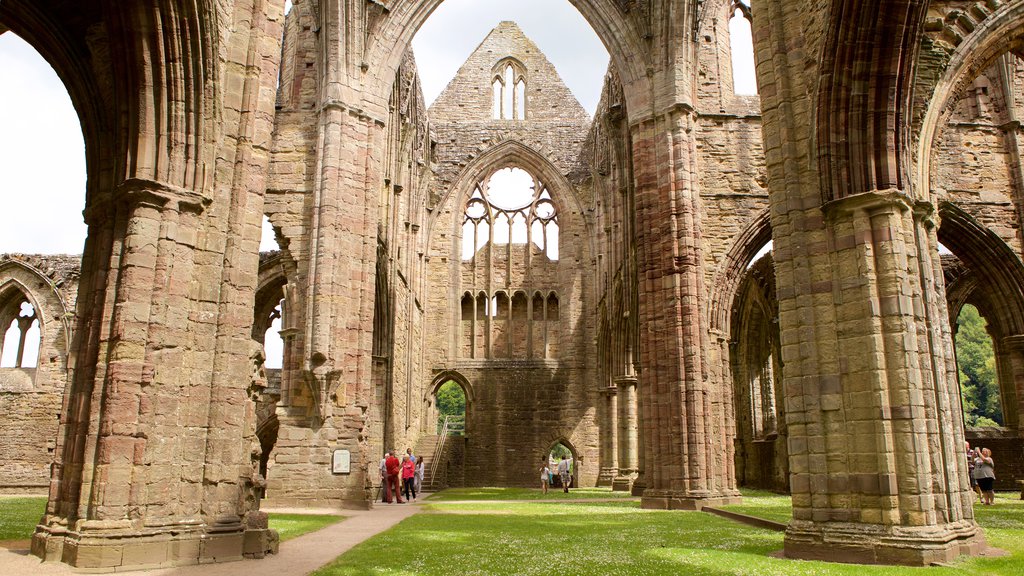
point(619, 302)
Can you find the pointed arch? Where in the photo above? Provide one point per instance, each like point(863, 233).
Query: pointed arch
point(733, 268)
point(993, 262)
point(454, 376)
point(865, 96)
point(515, 154)
point(392, 34)
point(1002, 32)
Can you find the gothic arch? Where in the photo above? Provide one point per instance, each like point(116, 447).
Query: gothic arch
point(987, 256)
point(391, 33)
point(455, 376)
point(1001, 32)
point(994, 283)
point(269, 292)
point(733, 268)
point(510, 153)
point(865, 95)
point(22, 280)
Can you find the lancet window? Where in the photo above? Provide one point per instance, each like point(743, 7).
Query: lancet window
point(741, 46)
point(20, 339)
point(509, 85)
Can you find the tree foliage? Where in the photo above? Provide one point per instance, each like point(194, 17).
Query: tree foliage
point(975, 357)
point(451, 400)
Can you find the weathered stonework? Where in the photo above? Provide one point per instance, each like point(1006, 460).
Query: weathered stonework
point(657, 345)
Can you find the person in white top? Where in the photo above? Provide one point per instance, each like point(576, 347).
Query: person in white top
point(545, 475)
point(384, 488)
point(565, 473)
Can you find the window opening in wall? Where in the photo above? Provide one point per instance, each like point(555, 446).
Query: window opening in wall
point(21, 340)
point(976, 363)
point(268, 240)
point(519, 208)
point(450, 400)
point(509, 86)
point(760, 254)
point(273, 345)
point(741, 45)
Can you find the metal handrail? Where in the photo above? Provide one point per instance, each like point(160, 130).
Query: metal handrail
point(438, 450)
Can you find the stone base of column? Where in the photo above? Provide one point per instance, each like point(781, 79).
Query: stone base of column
point(873, 544)
point(638, 486)
point(624, 481)
point(678, 500)
point(116, 550)
point(606, 476)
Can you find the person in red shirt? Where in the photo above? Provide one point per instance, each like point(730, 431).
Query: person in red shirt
point(408, 478)
point(394, 468)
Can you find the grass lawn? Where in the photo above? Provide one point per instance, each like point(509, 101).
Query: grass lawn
point(526, 538)
point(764, 504)
point(19, 516)
point(554, 494)
point(290, 526)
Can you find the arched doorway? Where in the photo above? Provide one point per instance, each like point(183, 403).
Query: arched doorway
point(450, 403)
point(559, 452)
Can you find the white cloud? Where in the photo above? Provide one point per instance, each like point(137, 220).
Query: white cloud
point(42, 157)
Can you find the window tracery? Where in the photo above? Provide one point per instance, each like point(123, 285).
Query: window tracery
point(509, 86)
point(20, 341)
point(510, 207)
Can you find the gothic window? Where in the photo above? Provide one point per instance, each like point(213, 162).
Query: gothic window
point(20, 340)
point(273, 345)
point(741, 45)
point(509, 87)
point(510, 207)
point(510, 237)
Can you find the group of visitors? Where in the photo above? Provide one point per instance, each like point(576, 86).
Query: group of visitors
point(564, 470)
point(398, 477)
point(982, 469)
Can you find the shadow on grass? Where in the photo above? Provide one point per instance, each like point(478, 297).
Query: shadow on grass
point(534, 538)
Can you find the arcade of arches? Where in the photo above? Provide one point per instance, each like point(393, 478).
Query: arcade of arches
point(597, 283)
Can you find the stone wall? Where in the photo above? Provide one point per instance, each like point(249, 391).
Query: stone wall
point(525, 396)
point(30, 397)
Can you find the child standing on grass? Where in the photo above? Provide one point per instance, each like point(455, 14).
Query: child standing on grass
point(545, 476)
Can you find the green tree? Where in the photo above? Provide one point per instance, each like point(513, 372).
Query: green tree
point(979, 386)
point(451, 400)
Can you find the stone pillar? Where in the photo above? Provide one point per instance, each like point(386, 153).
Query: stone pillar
point(609, 443)
point(1011, 348)
point(627, 436)
point(688, 446)
point(334, 406)
point(154, 464)
point(877, 471)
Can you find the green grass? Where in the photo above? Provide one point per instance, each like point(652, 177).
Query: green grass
point(290, 526)
point(526, 538)
point(764, 504)
point(19, 516)
point(554, 494)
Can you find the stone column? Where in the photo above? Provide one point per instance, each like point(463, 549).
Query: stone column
point(1012, 349)
point(609, 443)
point(627, 436)
point(142, 479)
point(877, 470)
point(687, 445)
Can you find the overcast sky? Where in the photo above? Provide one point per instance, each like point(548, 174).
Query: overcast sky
point(42, 159)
